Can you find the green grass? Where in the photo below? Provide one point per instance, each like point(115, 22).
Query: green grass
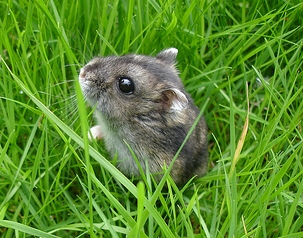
point(240, 60)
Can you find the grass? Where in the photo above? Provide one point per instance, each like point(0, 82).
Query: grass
point(241, 62)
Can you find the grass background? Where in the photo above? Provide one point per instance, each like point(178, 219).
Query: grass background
point(240, 60)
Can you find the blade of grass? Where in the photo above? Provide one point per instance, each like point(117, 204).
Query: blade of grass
point(26, 229)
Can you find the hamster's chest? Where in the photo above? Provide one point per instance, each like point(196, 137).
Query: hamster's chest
point(116, 141)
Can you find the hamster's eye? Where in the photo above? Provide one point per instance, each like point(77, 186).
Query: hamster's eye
point(126, 85)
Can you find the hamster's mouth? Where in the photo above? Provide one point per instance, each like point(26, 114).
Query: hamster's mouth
point(85, 85)
point(91, 87)
point(82, 80)
point(82, 75)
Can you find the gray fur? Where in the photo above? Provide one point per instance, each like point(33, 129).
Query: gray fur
point(153, 120)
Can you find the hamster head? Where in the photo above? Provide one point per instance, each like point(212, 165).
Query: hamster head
point(124, 87)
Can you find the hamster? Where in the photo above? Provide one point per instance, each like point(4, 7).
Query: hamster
point(140, 100)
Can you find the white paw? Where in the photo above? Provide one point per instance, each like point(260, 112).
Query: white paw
point(95, 133)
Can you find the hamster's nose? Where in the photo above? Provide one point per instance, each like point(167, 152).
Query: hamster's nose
point(82, 74)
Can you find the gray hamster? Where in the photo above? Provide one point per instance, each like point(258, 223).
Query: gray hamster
point(140, 100)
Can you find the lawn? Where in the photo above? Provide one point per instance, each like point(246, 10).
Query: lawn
point(240, 60)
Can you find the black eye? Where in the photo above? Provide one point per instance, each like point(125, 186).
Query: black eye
point(126, 85)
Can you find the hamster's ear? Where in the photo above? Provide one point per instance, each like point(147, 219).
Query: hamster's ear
point(168, 56)
point(174, 100)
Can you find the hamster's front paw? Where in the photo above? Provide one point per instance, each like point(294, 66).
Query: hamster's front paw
point(95, 133)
